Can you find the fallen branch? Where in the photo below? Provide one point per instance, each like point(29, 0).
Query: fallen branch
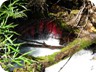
point(73, 47)
point(69, 50)
point(43, 45)
point(34, 44)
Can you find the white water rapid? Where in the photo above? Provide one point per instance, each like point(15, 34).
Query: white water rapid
point(82, 61)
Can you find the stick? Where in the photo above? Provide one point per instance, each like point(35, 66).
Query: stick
point(41, 46)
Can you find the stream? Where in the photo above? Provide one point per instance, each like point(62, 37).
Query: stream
point(82, 61)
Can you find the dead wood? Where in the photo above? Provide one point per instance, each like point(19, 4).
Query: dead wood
point(43, 45)
point(69, 50)
point(86, 37)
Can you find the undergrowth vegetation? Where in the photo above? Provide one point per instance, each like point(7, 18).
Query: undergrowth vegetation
point(9, 49)
point(77, 29)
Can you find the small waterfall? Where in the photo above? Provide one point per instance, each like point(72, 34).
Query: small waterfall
point(36, 51)
point(82, 61)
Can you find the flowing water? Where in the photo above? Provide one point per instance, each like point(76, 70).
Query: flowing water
point(82, 61)
point(42, 51)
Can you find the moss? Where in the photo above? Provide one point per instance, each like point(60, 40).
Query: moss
point(82, 42)
point(74, 11)
point(34, 67)
point(78, 44)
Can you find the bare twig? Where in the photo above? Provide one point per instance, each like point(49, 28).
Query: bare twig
point(65, 64)
point(43, 45)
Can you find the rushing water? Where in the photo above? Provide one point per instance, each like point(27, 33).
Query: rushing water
point(42, 51)
point(82, 61)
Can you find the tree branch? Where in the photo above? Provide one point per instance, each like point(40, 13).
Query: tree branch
point(43, 45)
